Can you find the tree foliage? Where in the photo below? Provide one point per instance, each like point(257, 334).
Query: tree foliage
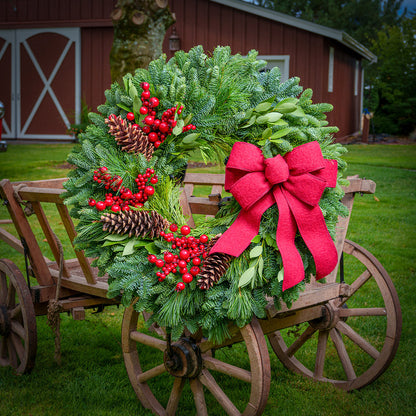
point(384, 28)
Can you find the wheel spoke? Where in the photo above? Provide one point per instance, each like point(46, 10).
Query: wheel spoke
point(309, 331)
point(199, 398)
point(320, 354)
point(342, 354)
point(3, 288)
point(344, 313)
point(228, 369)
point(148, 340)
point(357, 339)
point(359, 282)
point(17, 311)
point(3, 348)
point(18, 346)
point(12, 353)
point(153, 372)
point(18, 329)
point(209, 382)
point(11, 297)
point(175, 395)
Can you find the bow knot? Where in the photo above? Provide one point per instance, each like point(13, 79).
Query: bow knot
point(295, 183)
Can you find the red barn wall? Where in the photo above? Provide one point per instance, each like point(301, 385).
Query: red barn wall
point(208, 24)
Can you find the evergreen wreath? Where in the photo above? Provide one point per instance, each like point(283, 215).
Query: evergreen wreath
point(125, 189)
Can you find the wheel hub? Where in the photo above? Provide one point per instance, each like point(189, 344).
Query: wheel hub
point(327, 321)
point(4, 321)
point(183, 359)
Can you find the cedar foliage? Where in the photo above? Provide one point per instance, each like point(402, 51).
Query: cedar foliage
point(228, 99)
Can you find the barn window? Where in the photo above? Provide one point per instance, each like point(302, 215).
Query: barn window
point(356, 74)
point(282, 61)
point(331, 70)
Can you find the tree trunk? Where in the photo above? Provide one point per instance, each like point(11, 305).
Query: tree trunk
point(139, 29)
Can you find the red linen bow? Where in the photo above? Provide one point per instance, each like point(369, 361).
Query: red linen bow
point(295, 183)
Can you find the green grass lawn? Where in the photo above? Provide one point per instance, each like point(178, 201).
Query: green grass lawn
point(92, 379)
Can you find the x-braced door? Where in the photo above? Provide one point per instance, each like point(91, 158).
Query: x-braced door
point(46, 82)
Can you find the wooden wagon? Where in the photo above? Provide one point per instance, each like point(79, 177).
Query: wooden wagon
point(344, 331)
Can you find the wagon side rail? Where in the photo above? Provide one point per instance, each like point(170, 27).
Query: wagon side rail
point(77, 273)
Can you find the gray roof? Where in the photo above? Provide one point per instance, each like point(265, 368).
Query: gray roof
point(335, 34)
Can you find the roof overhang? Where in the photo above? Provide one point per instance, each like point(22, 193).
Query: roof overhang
point(328, 32)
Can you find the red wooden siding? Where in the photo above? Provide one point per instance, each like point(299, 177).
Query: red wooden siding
point(95, 64)
point(6, 83)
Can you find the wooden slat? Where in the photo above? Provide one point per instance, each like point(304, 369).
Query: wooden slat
point(41, 194)
point(43, 183)
point(200, 205)
point(70, 229)
point(204, 178)
point(49, 234)
point(11, 240)
point(24, 230)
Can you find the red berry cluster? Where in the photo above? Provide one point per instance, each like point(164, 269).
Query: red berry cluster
point(126, 197)
point(187, 261)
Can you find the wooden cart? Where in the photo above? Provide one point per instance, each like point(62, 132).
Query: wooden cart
point(344, 331)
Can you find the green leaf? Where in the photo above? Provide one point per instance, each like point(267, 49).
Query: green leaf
point(124, 107)
point(132, 91)
point(298, 112)
point(129, 247)
point(116, 237)
point(280, 133)
point(267, 133)
point(250, 122)
point(285, 107)
point(136, 104)
point(281, 122)
point(274, 116)
point(262, 119)
point(256, 251)
point(262, 107)
point(110, 243)
point(190, 138)
point(187, 120)
point(280, 275)
point(270, 241)
point(246, 277)
point(178, 128)
point(152, 248)
point(260, 267)
point(256, 239)
point(291, 100)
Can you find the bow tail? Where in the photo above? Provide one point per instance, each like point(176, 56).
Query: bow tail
point(285, 238)
point(311, 224)
point(239, 235)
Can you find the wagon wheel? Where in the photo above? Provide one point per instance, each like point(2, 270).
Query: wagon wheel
point(155, 371)
point(364, 328)
point(18, 339)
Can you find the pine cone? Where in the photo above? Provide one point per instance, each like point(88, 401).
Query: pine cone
point(215, 265)
point(131, 139)
point(137, 223)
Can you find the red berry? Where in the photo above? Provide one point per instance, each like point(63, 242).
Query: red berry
point(159, 263)
point(168, 257)
point(145, 95)
point(157, 143)
point(108, 202)
point(149, 190)
point(153, 137)
point(146, 129)
point(163, 127)
point(154, 102)
point(154, 181)
point(187, 278)
point(173, 228)
point(196, 261)
point(184, 254)
point(152, 258)
point(136, 126)
point(194, 270)
point(130, 116)
point(91, 202)
point(185, 229)
point(182, 264)
point(143, 110)
point(100, 205)
point(115, 208)
point(203, 238)
point(103, 169)
point(183, 270)
point(145, 86)
point(180, 286)
point(149, 120)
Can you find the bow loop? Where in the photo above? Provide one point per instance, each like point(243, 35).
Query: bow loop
point(295, 183)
